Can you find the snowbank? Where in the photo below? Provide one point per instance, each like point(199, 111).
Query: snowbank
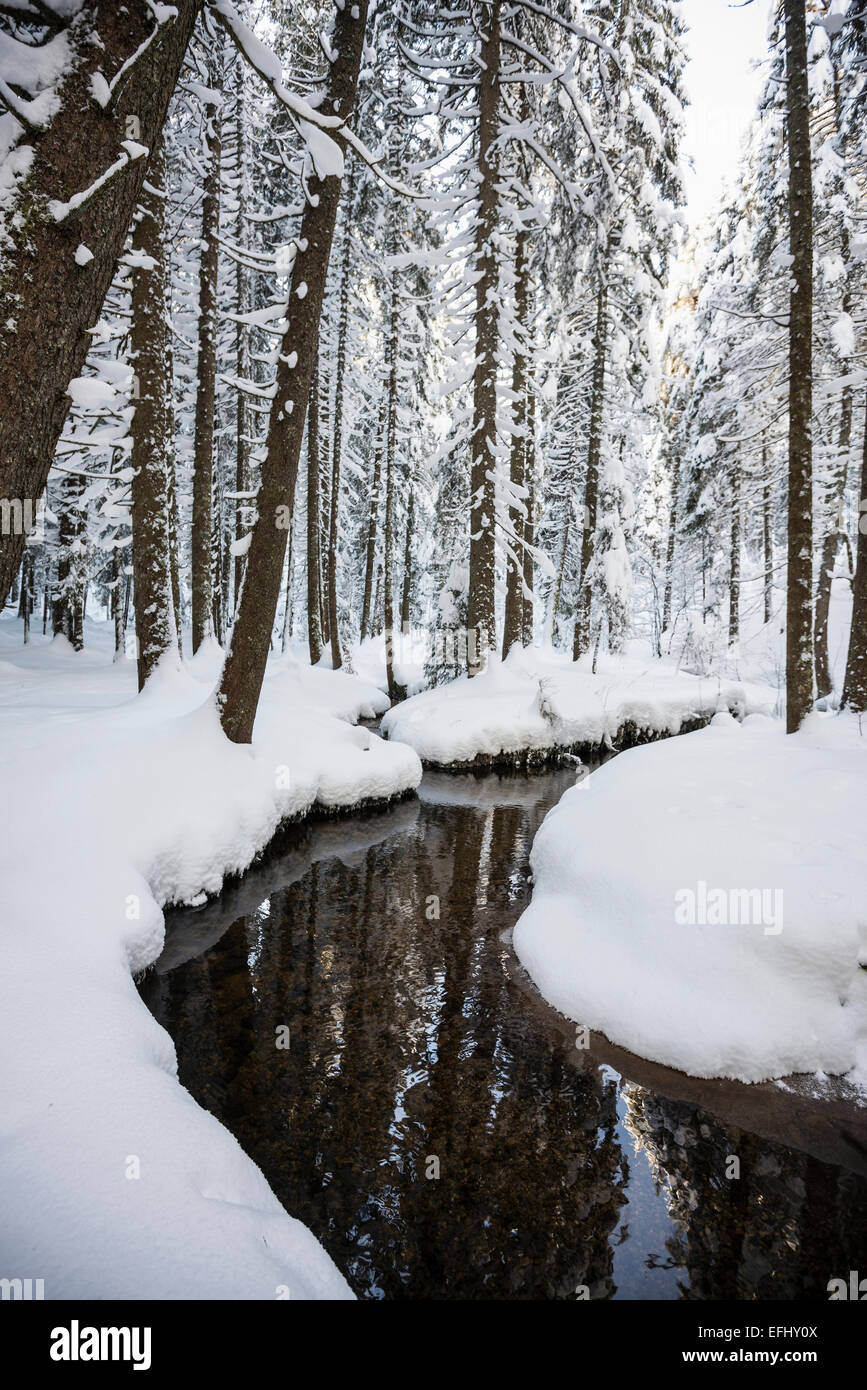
point(701, 901)
point(537, 702)
point(115, 1184)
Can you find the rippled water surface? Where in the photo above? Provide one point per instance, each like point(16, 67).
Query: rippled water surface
point(432, 1120)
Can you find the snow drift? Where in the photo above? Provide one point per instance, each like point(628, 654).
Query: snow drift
point(701, 901)
point(539, 701)
point(115, 1184)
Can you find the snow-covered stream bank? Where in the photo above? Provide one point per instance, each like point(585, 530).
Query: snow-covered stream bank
point(538, 703)
point(701, 902)
point(383, 944)
point(114, 1182)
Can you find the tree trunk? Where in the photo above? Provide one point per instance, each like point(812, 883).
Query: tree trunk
point(314, 583)
point(513, 625)
point(66, 607)
point(594, 454)
point(154, 611)
point(481, 618)
point(203, 446)
point(529, 529)
point(47, 300)
point(406, 596)
point(799, 612)
point(373, 525)
point(670, 546)
point(735, 560)
point(394, 690)
point(767, 537)
point(830, 546)
point(855, 685)
point(337, 441)
point(248, 652)
point(242, 341)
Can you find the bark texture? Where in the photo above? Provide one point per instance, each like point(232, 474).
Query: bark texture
point(47, 300)
point(245, 665)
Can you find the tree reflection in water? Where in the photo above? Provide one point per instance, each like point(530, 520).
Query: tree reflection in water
point(416, 1048)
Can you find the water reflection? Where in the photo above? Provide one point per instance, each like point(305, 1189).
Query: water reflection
point(431, 1119)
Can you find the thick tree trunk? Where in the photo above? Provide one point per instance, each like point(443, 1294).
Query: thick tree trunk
point(154, 611)
point(174, 520)
point(314, 582)
point(481, 618)
point(47, 300)
point(203, 446)
point(799, 593)
point(323, 396)
point(242, 341)
point(248, 652)
point(513, 625)
point(855, 685)
point(594, 453)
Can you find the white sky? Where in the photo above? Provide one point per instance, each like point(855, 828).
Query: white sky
point(722, 87)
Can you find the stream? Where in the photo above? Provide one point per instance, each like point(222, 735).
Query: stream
point(351, 1009)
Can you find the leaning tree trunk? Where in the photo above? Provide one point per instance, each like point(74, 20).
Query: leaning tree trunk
point(799, 595)
point(855, 684)
point(314, 579)
point(594, 454)
point(513, 625)
point(481, 619)
point(151, 557)
point(203, 445)
point(48, 300)
point(244, 670)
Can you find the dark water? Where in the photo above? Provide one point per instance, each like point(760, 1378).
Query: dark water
point(433, 1122)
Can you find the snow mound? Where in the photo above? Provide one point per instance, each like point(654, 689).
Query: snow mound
point(539, 701)
point(114, 1183)
point(702, 901)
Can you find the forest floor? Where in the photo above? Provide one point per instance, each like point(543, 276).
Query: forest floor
point(116, 805)
point(142, 802)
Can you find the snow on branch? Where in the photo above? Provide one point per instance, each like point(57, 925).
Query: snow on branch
point(61, 211)
point(317, 130)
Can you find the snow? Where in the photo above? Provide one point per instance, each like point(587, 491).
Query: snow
point(538, 701)
point(409, 654)
point(128, 803)
point(746, 988)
